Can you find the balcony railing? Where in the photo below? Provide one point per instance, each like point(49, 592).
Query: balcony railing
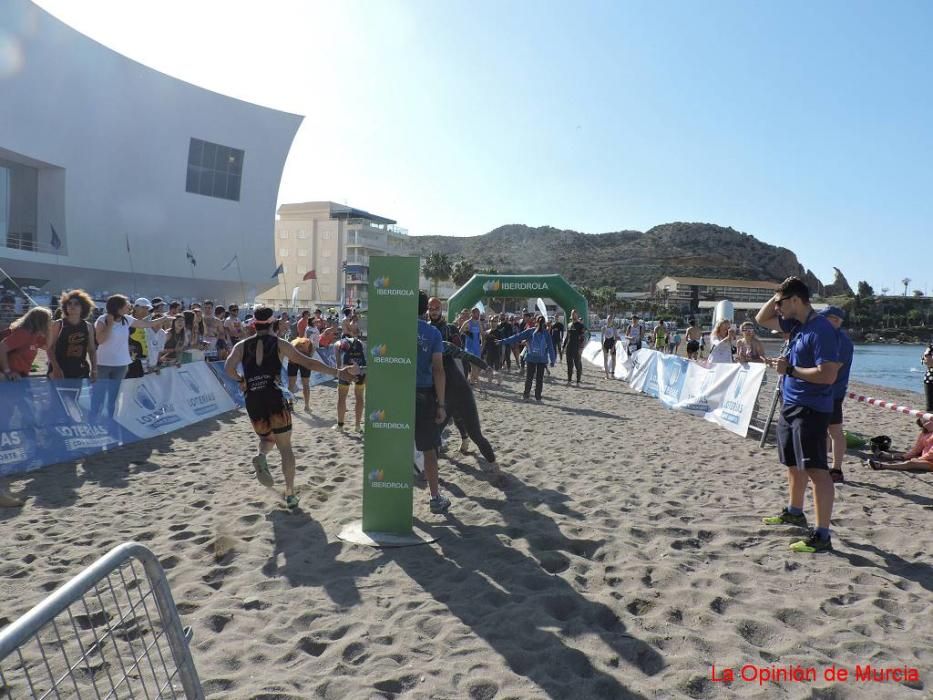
point(27, 241)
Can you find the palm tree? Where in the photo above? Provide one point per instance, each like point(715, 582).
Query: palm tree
point(437, 267)
point(462, 271)
point(605, 297)
point(905, 282)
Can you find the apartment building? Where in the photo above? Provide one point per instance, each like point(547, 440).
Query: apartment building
point(334, 242)
point(685, 289)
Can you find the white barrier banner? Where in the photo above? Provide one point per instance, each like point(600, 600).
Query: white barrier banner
point(623, 361)
point(593, 353)
point(720, 393)
point(735, 411)
point(644, 375)
point(176, 397)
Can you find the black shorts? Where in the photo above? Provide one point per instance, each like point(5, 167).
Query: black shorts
point(693, 346)
point(609, 345)
point(269, 411)
point(294, 369)
point(837, 412)
point(427, 431)
point(361, 380)
point(801, 437)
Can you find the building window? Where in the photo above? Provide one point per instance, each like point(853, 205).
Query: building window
point(302, 235)
point(283, 252)
point(214, 170)
point(19, 188)
point(302, 253)
point(283, 235)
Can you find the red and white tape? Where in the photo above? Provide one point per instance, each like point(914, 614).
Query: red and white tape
point(890, 404)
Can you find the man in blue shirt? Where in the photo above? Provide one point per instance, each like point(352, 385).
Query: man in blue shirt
point(808, 374)
point(837, 437)
point(430, 406)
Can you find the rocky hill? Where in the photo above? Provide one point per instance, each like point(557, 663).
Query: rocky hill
point(624, 260)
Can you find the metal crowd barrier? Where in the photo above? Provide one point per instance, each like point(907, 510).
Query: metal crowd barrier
point(111, 632)
point(766, 405)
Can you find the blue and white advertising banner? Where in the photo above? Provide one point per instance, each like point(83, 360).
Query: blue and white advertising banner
point(328, 357)
point(174, 398)
point(644, 374)
point(720, 393)
point(741, 392)
point(45, 422)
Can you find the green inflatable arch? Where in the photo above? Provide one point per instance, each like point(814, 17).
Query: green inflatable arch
point(551, 286)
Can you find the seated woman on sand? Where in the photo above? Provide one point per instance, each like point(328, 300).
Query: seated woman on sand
point(919, 457)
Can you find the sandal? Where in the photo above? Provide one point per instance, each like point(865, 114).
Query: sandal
point(837, 476)
point(875, 464)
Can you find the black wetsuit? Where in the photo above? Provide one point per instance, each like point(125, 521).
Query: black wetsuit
point(557, 335)
point(461, 405)
point(576, 333)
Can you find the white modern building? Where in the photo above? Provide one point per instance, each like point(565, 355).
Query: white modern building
point(111, 173)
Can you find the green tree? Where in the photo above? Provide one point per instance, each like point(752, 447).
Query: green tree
point(865, 290)
point(437, 267)
point(604, 298)
point(462, 271)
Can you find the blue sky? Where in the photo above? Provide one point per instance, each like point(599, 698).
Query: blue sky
point(804, 124)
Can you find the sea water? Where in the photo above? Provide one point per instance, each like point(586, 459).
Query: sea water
point(896, 366)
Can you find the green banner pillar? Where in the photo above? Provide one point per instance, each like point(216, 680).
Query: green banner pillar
point(390, 394)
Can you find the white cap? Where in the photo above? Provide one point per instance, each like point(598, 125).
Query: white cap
point(143, 301)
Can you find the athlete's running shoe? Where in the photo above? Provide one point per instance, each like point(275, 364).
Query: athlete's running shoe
point(263, 475)
point(813, 544)
point(786, 518)
point(440, 504)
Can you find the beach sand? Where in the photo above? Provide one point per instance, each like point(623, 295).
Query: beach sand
point(619, 554)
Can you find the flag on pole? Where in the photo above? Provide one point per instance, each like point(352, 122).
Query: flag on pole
point(232, 260)
point(309, 275)
point(56, 241)
point(190, 256)
point(280, 270)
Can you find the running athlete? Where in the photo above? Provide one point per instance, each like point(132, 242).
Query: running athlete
point(610, 336)
point(268, 409)
point(472, 330)
point(635, 335)
point(350, 352)
point(306, 347)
